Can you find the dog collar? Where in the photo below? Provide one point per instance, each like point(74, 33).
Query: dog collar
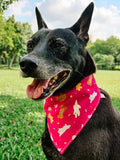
point(69, 112)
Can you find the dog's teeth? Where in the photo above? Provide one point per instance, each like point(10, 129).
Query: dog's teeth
point(56, 77)
point(50, 83)
point(53, 80)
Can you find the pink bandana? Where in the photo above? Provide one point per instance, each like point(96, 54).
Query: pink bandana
point(68, 113)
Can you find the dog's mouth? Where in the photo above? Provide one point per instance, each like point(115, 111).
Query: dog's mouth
point(41, 89)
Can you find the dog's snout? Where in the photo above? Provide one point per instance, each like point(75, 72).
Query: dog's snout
point(28, 64)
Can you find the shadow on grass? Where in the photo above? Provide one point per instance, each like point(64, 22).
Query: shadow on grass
point(21, 128)
point(5, 67)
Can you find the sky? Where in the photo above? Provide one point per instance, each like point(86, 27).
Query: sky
point(64, 13)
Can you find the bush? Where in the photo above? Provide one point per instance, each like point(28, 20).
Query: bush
point(104, 61)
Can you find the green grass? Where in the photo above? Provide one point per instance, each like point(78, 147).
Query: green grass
point(110, 82)
point(22, 120)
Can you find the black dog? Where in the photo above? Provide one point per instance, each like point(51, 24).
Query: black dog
point(58, 61)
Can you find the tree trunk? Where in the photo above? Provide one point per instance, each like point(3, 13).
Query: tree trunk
point(11, 62)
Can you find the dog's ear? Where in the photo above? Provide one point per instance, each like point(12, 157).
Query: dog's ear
point(90, 65)
point(40, 21)
point(81, 27)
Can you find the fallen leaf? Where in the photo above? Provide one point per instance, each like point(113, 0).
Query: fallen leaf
point(13, 121)
point(39, 144)
point(30, 123)
point(11, 134)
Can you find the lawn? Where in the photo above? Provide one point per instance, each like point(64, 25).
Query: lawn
point(22, 120)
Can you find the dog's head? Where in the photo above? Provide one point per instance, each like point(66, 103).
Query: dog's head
point(57, 59)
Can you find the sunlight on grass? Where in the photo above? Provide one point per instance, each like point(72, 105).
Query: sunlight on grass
point(109, 81)
point(21, 119)
point(12, 83)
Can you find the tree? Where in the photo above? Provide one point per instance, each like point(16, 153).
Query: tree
point(97, 58)
point(3, 53)
point(118, 59)
point(98, 47)
point(4, 4)
point(113, 45)
point(13, 40)
point(104, 61)
point(13, 36)
point(109, 61)
point(22, 32)
point(109, 47)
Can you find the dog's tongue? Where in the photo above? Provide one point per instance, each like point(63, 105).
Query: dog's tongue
point(35, 89)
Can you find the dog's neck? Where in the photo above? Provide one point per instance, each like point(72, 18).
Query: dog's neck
point(68, 113)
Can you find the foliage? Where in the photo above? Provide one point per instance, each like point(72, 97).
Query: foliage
point(4, 4)
point(106, 52)
point(104, 61)
point(22, 120)
point(118, 59)
point(13, 38)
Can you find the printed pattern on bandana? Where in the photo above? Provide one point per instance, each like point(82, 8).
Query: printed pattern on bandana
point(68, 113)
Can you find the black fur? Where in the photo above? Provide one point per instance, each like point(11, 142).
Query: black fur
point(53, 51)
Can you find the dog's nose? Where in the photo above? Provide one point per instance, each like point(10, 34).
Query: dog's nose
point(28, 64)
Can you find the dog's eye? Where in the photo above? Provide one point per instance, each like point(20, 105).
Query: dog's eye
point(30, 46)
point(59, 43)
point(58, 46)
